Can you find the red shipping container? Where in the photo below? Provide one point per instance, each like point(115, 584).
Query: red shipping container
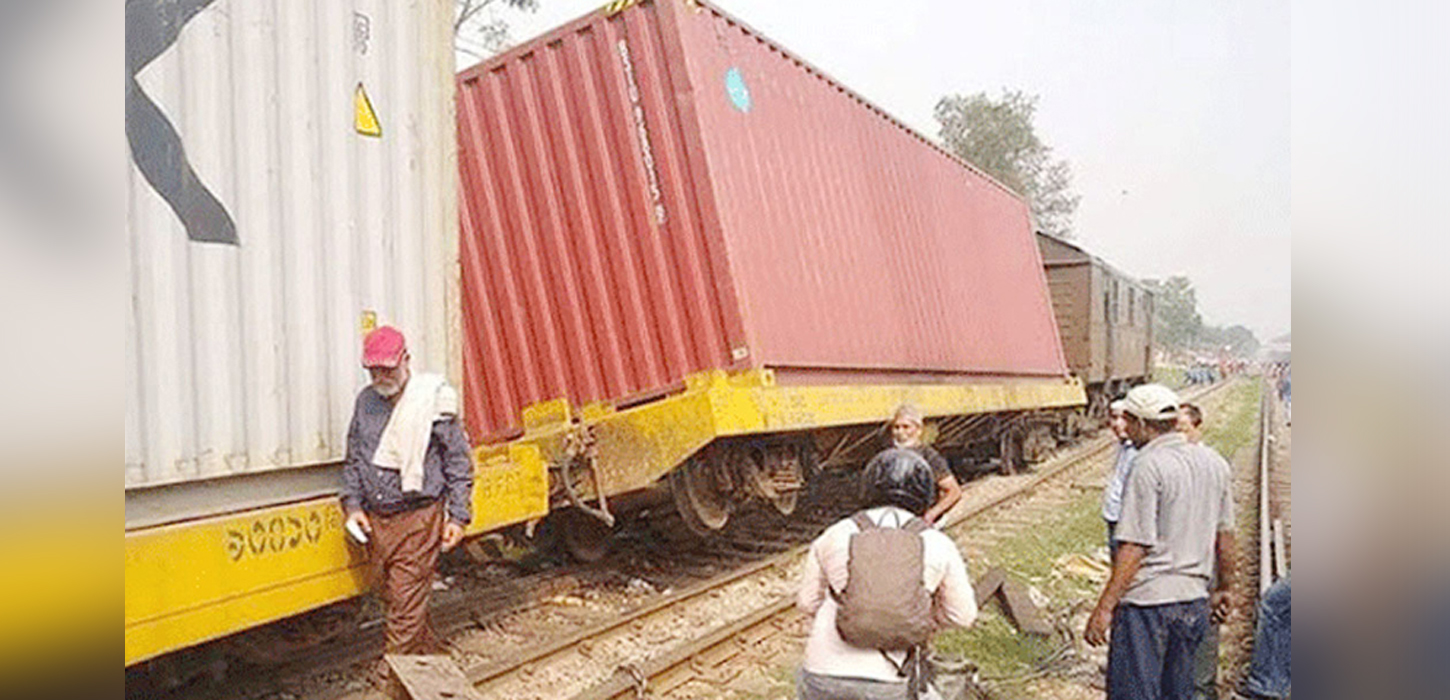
point(657, 191)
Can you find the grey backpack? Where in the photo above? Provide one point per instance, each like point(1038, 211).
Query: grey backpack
point(885, 605)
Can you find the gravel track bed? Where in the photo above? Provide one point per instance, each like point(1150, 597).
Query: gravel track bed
point(1236, 643)
point(762, 666)
point(648, 566)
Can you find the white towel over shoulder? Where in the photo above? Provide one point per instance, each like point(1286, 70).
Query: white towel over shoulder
point(404, 442)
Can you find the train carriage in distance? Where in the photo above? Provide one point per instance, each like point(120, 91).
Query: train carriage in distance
point(668, 263)
point(1104, 317)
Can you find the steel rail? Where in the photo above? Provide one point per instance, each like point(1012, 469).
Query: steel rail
point(638, 680)
point(1266, 539)
point(632, 679)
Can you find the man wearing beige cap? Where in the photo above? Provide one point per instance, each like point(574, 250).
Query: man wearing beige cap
point(1177, 518)
point(407, 484)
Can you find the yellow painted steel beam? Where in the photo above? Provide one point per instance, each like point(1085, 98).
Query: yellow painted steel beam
point(192, 582)
point(636, 446)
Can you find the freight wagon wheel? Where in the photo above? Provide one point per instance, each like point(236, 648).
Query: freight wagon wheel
point(698, 496)
point(776, 474)
point(1039, 444)
point(1010, 449)
point(585, 537)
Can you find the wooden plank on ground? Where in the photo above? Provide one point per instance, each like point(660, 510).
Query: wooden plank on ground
point(1021, 609)
point(1281, 551)
point(1014, 600)
point(431, 677)
point(988, 584)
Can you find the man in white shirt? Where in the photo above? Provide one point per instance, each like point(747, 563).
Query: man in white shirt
point(897, 486)
point(1118, 480)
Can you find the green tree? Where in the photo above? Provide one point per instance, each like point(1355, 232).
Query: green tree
point(1177, 324)
point(1176, 321)
point(998, 137)
point(1236, 340)
point(1240, 340)
point(479, 31)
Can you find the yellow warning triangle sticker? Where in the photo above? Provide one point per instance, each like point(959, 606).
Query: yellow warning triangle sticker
point(364, 119)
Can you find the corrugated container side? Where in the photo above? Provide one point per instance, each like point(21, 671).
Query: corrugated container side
point(588, 272)
point(626, 223)
point(857, 244)
point(242, 354)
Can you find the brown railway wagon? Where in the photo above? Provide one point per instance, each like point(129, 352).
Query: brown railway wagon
point(1105, 318)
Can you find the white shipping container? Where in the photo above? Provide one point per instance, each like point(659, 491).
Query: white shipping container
point(251, 283)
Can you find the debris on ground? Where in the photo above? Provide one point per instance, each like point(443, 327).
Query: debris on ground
point(1093, 569)
point(640, 586)
point(1015, 600)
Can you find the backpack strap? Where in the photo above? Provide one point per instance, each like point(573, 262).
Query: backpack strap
point(916, 526)
point(910, 666)
point(863, 521)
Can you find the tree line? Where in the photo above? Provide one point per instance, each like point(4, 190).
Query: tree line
point(1178, 326)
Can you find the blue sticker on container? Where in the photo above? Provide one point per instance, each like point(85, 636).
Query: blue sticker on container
point(737, 91)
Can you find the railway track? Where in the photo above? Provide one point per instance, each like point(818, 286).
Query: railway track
point(334, 669)
point(1273, 522)
point(708, 657)
point(752, 564)
point(1262, 495)
point(704, 656)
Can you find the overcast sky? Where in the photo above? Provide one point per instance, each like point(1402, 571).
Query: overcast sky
point(1174, 116)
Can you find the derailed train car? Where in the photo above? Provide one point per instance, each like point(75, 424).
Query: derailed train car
point(695, 265)
point(1105, 321)
point(694, 269)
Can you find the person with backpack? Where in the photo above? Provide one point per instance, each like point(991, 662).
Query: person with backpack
point(878, 585)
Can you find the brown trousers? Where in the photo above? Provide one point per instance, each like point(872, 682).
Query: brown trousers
point(403, 552)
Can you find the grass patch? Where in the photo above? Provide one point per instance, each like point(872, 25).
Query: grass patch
point(779, 684)
point(993, 644)
point(1030, 555)
point(1236, 426)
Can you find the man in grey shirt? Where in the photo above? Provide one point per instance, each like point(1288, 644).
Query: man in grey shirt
point(1177, 518)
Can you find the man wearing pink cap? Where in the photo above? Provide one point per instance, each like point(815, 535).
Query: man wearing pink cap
point(407, 484)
